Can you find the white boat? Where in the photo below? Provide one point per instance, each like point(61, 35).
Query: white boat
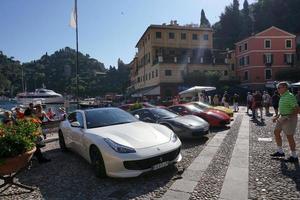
point(44, 95)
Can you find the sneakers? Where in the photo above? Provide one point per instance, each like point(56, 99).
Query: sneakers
point(292, 159)
point(277, 154)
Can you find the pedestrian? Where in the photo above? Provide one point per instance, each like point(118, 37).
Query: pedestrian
point(275, 102)
point(266, 102)
point(286, 121)
point(39, 143)
point(249, 102)
point(50, 114)
point(235, 100)
point(257, 105)
point(216, 100)
point(225, 99)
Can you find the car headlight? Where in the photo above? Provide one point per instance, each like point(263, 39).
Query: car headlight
point(174, 137)
point(118, 147)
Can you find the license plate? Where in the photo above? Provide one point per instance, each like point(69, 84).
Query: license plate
point(160, 165)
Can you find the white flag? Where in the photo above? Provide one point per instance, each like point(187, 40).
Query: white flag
point(73, 19)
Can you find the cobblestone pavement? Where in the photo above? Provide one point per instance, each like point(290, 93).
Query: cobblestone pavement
point(210, 184)
point(271, 178)
point(68, 176)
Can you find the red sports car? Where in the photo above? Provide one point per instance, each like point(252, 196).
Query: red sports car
point(214, 118)
point(127, 107)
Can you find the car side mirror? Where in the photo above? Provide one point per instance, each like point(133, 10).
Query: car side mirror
point(137, 116)
point(75, 124)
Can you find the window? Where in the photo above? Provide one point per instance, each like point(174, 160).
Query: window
point(195, 36)
point(288, 58)
point(240, 48)
point(168, 72)
point(268, 58)
point(183, 36)
point(242, 61)
point(288, 44)
point(171, 35)
point(79, 118)
point(149, 75)
point(158, 35)
point(225, 73)
point(246, 76)
point(268, 74)
point(267, 44)
point(232, 67)
point(139, 79)
point(245, 46)
point(247, 61)
point(152, 74)
point(156, 72)
point(205, 37)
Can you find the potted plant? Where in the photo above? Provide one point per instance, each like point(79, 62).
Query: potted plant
point(17, 145)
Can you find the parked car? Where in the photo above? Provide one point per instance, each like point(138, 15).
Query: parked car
point(131, 106)
point(183, 126)
point(117, 144)
point(215, 119)
point(204, 106)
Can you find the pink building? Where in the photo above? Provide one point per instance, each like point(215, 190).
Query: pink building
point(261, 56)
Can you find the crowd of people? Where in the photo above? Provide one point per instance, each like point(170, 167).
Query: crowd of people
point(34, 112)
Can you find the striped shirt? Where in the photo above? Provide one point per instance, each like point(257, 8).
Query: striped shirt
point(287, 103)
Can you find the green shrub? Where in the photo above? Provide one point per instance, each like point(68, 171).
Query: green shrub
point(18, 138)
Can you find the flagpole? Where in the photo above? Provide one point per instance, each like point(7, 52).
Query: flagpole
point(77, 75)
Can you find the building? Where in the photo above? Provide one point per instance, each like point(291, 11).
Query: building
point(261, 56)
point(166, 53)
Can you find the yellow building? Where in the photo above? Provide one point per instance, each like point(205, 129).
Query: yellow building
point(167, 52)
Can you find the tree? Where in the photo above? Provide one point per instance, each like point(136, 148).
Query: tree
point(246, 21)
point(204, 21)
point(227, 31)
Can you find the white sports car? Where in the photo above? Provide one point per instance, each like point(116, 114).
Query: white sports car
point(117, 144)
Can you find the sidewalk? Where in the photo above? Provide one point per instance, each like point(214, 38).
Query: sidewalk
point(236, 164)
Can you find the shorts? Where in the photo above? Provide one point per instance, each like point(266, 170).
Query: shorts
point(287, 124)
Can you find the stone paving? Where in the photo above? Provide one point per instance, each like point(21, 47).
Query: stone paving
point(227, 165)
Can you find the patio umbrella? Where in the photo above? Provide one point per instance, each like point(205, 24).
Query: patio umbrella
point(195, 90)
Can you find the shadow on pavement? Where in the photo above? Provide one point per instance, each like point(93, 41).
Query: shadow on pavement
point(291, 170)
point(68, 176)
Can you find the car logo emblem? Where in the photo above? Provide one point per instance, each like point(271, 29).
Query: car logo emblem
point(160, 159)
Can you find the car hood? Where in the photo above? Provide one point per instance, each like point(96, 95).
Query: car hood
point(136, 135)
point(227, 110)
point(218, 114)
point(189, 120)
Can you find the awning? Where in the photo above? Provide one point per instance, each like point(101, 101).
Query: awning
point(195, 90)
point(149, 91)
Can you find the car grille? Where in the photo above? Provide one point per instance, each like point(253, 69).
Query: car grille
point(149, 162)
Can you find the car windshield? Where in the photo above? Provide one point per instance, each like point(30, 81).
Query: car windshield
point(194, 108)
point(202, 105)
point(107, 117)
point(162, 113)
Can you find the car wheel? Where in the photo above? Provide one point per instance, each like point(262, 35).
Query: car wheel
point(97, 162)
point(61, 140)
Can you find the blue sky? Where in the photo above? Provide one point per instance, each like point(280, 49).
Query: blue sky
point(108, 30)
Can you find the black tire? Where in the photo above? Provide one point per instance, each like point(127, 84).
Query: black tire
point(97, 162)
point(61, 140)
